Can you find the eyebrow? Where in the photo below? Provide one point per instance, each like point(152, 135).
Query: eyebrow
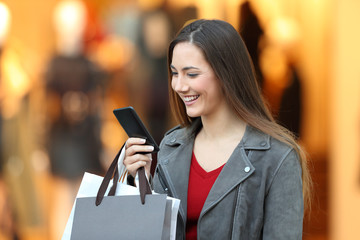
point(185, 68)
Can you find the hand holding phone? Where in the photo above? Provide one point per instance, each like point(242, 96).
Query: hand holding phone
point(136, 158)
point(133, 125)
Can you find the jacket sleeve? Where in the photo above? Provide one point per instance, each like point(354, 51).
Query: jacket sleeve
point(283, 213)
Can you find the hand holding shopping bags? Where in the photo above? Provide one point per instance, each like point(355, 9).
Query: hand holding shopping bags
point(113, 210)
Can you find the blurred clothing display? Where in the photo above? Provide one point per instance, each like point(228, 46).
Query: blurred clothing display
point(283, 37)
point(155, 36)
point(251, 32)
point(7, 226)
point(290, 110)
point(74, 98)
point(74, 133)
point(1, 145)
point(19, 194)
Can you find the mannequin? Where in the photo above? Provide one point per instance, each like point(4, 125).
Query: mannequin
point(73, 98)
point(72, 84)
point(252, 32)
point(284, 37)
point(156, 32)
point(7, 223)
point(4, 27)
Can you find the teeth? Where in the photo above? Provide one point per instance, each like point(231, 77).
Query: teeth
point(191, 98)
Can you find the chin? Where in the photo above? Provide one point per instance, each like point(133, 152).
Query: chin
point(192, 114)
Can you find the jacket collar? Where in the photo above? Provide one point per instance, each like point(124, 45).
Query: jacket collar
point(253, 139)
point(183, 135)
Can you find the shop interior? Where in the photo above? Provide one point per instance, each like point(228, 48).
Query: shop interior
point(66, 64)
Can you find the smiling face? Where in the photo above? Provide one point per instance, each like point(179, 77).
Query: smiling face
point(194, 81)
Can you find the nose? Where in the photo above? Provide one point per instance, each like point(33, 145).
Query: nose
point(179, 84)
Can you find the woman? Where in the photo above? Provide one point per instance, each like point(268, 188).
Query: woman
point(238, 174)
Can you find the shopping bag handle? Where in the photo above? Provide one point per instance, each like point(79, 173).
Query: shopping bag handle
point(113, 172)
point(143, 184)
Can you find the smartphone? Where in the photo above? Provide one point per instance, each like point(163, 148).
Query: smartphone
point(133, 125)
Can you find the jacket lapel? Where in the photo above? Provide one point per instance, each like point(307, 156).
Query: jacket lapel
point(238, 168)
point(176, 167)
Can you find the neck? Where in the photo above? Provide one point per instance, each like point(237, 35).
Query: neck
point(70, 48)
point(223, 125)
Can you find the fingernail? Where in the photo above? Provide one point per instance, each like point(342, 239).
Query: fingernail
point(142, 140)
point(151, 148)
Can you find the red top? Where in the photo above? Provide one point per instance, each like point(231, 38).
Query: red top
point(200, 183)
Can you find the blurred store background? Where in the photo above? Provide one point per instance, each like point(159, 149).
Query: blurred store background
point(65, 65)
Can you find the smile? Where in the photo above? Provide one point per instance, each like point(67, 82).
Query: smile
point(191, 98)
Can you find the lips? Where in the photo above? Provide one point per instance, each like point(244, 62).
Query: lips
point(188, 99)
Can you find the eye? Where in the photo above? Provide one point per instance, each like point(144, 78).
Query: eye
point(174, 74)
point(193, 75)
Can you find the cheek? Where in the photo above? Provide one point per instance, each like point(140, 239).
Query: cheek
point(215, 92)
point(173, 84)
point(205, 86)
point(218, 93)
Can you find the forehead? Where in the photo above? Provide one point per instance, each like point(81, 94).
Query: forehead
point(186, 53)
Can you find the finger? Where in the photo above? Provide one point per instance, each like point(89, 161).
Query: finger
point(133, 168)
point(135, 158)
point(139, 149)
point(134, 141)
point(148, 165)
point(133, 163)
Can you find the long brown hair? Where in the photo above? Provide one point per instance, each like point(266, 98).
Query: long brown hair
point(227, 54)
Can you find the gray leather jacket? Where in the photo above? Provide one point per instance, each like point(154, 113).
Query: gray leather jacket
point(258, 194)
